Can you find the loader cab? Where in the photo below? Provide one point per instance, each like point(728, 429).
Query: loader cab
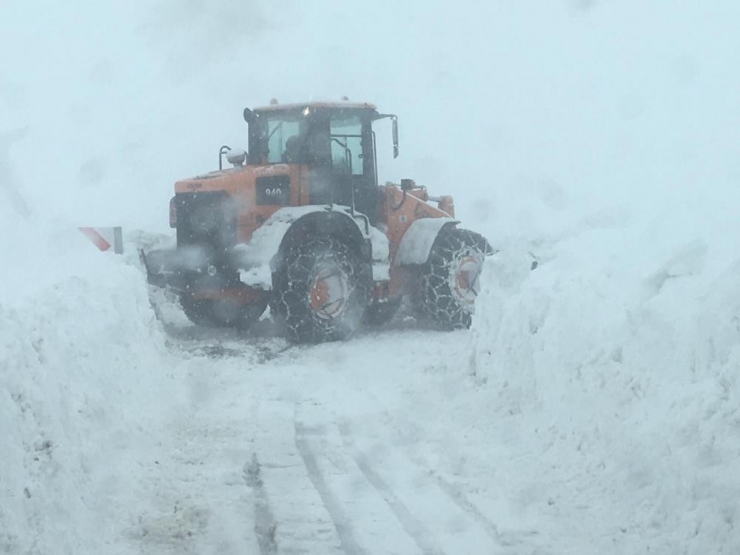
point(335, 141)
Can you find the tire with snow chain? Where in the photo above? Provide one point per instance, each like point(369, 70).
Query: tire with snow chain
point(221, 313)
point(196, 310)
point(449, 281)
point(321, 291)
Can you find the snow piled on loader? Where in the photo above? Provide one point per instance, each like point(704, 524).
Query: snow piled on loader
point(611, 380)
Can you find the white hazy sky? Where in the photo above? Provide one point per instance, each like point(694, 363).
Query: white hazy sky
point(506, 104)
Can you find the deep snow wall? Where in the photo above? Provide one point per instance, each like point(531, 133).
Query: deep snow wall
point(82, 364)
point(614, 372)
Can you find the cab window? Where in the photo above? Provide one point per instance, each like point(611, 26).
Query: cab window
point(346, 145)
point(286, 141)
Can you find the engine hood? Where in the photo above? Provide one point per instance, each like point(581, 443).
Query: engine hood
point(229, 180)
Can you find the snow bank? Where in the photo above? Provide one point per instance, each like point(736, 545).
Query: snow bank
point(81, 367)
point(614, 372)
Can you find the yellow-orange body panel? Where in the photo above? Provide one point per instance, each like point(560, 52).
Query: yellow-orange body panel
point(398, 213)
point(240, 184)
point(396, 210)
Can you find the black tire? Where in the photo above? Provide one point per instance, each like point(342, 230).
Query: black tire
point(448, 282)
point(221, 313)
point(320, 291)
point(379, 314)
point(196, 310)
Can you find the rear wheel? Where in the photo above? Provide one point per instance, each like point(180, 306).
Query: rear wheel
point(449, 282)
point(321, 291)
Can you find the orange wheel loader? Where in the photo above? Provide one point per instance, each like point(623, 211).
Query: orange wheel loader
point(299, 222)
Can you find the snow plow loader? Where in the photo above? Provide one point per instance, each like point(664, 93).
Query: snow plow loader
point(300, 223)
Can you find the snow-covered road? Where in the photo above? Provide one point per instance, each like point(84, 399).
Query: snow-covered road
point(307, 450)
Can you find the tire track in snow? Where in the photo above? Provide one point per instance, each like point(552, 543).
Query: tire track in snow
point(413, 527)
point(450, 490)
point(264, 522)
point(304, 524)
point(341, 524)
point(506, 539)
point(459, 499)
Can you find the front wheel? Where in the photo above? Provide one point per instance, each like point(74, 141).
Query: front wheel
point(221, 313)
point(450, 281)
point(321, 291)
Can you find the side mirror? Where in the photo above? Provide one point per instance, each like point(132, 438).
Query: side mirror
point(249, 116)
point(395, 137)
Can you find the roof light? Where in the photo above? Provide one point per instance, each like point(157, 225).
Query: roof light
point(306, 111)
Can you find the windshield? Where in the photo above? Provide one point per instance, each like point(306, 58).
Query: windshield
point(339, 139)
point(286, 142)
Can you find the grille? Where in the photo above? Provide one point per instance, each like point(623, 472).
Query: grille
point(206, 219)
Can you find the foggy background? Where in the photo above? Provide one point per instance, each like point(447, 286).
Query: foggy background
point(533, 114)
